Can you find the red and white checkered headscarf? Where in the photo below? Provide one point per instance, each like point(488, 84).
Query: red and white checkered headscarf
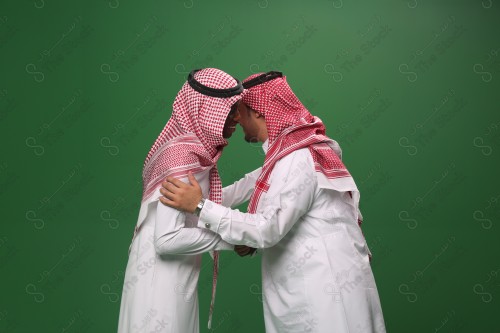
point(192, 138)
point(192, 141)
point(290, 126)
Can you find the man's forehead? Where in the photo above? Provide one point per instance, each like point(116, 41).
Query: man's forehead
point(246, 107)
point(241, 105)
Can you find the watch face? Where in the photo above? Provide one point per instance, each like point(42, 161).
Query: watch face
point(198, 209)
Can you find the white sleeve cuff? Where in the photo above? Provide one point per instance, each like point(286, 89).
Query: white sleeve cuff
point(211, 215)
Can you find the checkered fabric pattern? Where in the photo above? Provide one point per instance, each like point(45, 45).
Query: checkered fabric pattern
point(290, 126)
point(192, 138)
point(192, 141)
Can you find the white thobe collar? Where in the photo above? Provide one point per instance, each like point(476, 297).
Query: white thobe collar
point(265, 146)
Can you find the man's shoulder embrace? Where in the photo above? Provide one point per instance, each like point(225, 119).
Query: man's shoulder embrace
point(300, 156)
point(296, 163)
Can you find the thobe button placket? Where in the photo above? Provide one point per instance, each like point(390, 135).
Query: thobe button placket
point(207, 225)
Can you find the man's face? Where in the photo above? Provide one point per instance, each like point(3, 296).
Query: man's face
point(247, 121)
point(230, 124)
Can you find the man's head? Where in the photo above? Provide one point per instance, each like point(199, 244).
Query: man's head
point(203, 105)
point(193, 138)
point(271, 107)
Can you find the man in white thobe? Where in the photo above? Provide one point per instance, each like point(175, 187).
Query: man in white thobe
point(304, 218)
point(160, 285)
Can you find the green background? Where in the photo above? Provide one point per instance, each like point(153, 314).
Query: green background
point(410, 90)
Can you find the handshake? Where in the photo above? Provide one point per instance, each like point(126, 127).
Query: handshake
point(244, 250)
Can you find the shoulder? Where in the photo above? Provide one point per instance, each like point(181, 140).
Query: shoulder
point(203, 179)
point(295, 166)
point(298, 158)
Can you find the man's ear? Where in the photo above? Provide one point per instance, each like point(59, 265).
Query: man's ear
point(258, 115)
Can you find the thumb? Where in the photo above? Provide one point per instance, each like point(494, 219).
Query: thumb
point(192, 180)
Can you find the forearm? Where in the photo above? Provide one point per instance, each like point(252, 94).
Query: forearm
point(172, 237)
point(241, 190)
point(255, 230)
point(190, 241)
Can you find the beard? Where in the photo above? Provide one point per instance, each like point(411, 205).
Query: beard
point(227, 134)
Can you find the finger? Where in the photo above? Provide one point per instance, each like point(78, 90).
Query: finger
point(242, 253)
point(163, 191)
point(171, 188)
point(251, 250)
point(192, 180)
point(168, 202)
point(167, 194)
point(242, 250)
point(176, 182)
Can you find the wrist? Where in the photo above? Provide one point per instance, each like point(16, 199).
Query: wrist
point(199, 207)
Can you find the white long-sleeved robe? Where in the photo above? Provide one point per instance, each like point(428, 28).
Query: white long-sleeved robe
point(316, 275)
point(160, 285)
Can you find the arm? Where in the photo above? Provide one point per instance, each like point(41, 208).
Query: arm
point(172, 237)
point(295, 176)
point(241, 190)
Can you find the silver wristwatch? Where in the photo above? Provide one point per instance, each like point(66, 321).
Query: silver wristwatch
point(198, 209)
